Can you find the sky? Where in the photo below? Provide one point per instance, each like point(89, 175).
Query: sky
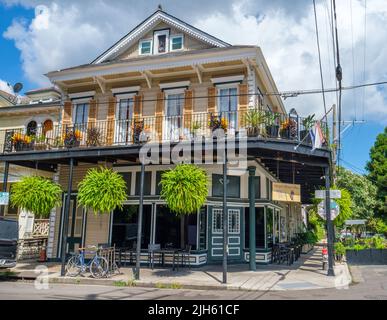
point(38, 36)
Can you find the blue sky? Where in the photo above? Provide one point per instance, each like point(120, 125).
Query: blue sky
point(32, 45)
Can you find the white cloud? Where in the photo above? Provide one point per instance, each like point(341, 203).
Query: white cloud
point(68, 33)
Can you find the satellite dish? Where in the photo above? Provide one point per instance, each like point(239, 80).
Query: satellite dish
point(17, 87)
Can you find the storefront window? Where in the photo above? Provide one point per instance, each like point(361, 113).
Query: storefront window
point(269, 227)
point(203, 229)
point(259, 228)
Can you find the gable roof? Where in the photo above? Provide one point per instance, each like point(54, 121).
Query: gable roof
point(159, 16)
point(8, 97)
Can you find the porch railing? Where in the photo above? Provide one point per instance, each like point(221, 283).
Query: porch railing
point(256, 123)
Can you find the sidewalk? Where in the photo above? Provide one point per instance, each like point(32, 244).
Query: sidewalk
point(304, 274)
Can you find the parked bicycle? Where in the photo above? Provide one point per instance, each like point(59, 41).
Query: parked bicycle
point(97, 266)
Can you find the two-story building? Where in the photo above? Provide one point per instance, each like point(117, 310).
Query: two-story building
point(167, 82)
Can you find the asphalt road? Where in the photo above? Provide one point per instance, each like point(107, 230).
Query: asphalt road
point(370, 283)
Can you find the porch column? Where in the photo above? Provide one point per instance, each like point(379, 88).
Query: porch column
point(5, 181)
point(66, 217)
point(139, 223)
point(225, 219)
point(330, 232)
point(253, 265)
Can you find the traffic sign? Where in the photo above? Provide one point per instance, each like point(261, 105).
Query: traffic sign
point(333, 194)
point(335, 210)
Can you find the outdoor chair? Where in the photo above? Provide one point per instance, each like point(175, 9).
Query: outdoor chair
point(186, 256)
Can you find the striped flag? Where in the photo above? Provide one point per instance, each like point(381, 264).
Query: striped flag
point(317, 136)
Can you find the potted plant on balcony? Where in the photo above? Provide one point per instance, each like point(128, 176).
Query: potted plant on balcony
point(72, 138)
point(40, 143)
point(102, 190)
point(218, 123)
point(22, 142)
point(254, 120)
point(272, 128)
point(196, 126)
point(287, 127)
point(308, 123)
point(93, 137)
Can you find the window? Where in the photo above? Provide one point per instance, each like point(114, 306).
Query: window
point(257, 186)
point(228, 106)
point(146, 47)
point(233, 221)
point(203, 229)
point(233, 186)
point(81, 113)
point(158, 180)
point(176, 42)
point(217, 221)
point(174, 111)
point(32, 127)
point(147, 183)
point(127, 176)
point(161, 41)
point(259, 228)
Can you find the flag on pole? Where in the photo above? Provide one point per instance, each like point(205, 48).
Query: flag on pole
point(317, 136)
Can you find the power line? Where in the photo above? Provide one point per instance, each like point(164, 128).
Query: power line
point(353, 60)
point(319, 57)
point(364, 53)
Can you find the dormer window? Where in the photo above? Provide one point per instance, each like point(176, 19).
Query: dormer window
point(161, 41)
point(145, 47)
point(176, 42)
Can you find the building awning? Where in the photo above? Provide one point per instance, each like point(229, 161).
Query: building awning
point(355, 222)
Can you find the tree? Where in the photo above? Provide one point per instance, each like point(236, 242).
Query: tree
point(363, 192)
point(102, 190)
point(184, 188)
point(36, 194)
point(377, 168)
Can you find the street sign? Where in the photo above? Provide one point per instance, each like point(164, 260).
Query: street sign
point(4, 198)
point(335, 210)
point(333, 194)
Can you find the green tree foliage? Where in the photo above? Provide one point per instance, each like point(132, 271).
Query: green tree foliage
point(377, 168)
point(363, 192)
point(102, 190)
point(184, 188)
point(36, 194)
point(377, 225)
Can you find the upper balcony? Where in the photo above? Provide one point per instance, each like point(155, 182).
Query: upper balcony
point(257, 124)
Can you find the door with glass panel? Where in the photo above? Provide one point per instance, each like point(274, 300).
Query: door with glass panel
point(75, 225)
point(228, 107)
point(124, 118)
point(81, 114)
point(216, 234)
point(173, 116)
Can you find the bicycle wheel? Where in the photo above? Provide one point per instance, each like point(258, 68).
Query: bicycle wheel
point(73, 266)
point(99, 267)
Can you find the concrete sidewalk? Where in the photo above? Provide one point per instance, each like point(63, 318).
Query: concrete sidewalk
point(304, 274)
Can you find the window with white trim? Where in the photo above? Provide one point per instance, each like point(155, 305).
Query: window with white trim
point(81, 112)
point(145, 47)
point(234, 221)
point(161, 41)
point(177, 42)
point(217, 220)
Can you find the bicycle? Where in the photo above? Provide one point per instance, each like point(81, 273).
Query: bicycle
point(97, 266)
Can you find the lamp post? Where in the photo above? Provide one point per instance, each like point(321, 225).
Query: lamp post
point(139, 223)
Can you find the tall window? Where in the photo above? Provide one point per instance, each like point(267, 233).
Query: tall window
point(81, 112)
point(124, 117)
point(228, 106)
point(176, 42)
point(174, 112)
point(32, 127)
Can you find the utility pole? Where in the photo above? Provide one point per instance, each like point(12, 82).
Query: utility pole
point(335, 146)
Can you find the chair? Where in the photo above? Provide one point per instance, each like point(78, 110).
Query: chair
point(185, 256)
point(151, 254)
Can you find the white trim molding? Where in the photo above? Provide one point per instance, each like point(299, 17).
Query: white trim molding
point(83, 94)
point(238, 78)
point(178, 84)
point(117, 91)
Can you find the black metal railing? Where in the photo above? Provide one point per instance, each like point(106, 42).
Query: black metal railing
point(256, 123)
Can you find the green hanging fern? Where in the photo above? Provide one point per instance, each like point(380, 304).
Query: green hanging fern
point(102, 190)
point(36, 194)
point(184, 188)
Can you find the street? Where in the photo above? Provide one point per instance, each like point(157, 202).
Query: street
point(370, 282)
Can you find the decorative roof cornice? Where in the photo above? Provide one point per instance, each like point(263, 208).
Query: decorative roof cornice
point(147, 25)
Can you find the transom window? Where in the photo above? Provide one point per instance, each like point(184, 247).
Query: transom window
point(146, 47)
point(177, 42)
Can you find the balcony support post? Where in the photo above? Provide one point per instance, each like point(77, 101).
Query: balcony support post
point(139, 224)
point(5, 182)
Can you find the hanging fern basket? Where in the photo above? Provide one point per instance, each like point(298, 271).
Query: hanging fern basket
point(184, 188)
point(102, 190)
point(36, 194)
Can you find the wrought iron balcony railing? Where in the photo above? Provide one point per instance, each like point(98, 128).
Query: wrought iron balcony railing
point(256, 123)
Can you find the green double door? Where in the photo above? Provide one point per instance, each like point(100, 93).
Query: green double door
point(75, 225)
point(235, 233)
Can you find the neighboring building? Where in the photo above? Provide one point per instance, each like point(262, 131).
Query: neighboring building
point(168, 79)
point(36, 115)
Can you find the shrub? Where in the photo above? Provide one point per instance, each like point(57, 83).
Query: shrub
point(184, 188)
point(36, 194)
point(378, 242)
point(102, 190)
point(339, 248)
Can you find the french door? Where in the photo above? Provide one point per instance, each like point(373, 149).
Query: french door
point(228, 107)
point(124, 118)
point(174, 116)
point(75, 225)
